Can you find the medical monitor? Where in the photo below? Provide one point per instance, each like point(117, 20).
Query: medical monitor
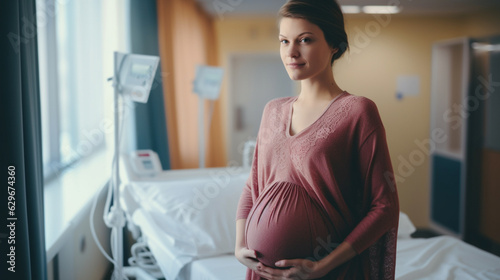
point(136, 75)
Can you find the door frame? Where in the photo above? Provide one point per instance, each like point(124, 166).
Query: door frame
point(231, 86)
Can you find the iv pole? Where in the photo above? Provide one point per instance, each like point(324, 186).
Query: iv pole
point(116, 216)
point(207, 85)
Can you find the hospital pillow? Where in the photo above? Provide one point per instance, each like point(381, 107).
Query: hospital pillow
point(406, 227)
point(199, 215)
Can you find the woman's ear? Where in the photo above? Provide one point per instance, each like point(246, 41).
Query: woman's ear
point(334, 50)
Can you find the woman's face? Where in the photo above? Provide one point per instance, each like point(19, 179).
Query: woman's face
point(304, 50)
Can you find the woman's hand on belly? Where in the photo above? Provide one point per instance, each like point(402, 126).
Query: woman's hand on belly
point(249, 259)
point(294, 269)
point(307, 269)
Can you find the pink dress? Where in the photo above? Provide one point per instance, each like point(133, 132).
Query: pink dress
point(331, 182)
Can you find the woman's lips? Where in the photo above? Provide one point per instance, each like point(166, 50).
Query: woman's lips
point(296, 65)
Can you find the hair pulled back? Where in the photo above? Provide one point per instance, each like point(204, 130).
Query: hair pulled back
point(326, 14)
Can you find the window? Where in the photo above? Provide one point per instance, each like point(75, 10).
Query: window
point(76, 41)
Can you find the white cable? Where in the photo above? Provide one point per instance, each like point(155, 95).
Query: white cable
point(92, 229)
point(144, 259)
point(108, 201)
point(91, 219)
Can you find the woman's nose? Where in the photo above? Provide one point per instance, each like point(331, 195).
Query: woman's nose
point(293, 51)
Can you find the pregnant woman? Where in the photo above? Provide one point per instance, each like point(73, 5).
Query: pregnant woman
point(321, 200)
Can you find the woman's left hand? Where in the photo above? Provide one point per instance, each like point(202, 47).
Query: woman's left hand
point(296, 269)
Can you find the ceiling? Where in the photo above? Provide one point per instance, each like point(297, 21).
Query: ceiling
point(222, 8)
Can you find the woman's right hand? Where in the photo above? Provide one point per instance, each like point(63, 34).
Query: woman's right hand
point(244, 255)
point(247, 257)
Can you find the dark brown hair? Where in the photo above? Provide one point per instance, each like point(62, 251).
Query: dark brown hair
point(326, 14)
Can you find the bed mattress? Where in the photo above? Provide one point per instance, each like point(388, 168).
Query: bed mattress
point(437, 258)
point(444, 257)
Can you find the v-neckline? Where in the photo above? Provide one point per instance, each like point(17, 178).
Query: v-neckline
point(290, 112)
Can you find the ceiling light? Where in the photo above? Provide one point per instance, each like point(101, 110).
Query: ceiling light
point(486, 47)
point(349, 9)
point(381, 9)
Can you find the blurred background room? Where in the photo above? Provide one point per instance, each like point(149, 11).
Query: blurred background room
point(431, 67)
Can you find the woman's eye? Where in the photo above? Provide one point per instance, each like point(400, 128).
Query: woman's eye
point(283, 41)
point(305, 40)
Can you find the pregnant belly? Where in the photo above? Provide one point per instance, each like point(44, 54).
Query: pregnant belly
point(285, 223)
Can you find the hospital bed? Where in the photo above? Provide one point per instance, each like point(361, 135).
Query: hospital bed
point(187, 219)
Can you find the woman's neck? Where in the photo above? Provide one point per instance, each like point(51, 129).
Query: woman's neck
point(319, 88)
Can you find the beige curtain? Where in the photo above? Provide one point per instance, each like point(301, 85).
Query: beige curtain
point(186, 38)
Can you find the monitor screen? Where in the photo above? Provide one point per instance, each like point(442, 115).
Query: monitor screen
point(148, 164)
point(140, 69)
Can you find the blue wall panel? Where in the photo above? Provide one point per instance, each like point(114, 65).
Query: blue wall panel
point(446, 194)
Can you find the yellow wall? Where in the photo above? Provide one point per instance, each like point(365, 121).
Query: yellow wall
point(479, 24)
point(380, 51)
point(242, 36)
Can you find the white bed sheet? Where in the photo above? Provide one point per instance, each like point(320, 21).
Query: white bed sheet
point(442, 258)
point(225, 267)
point(438, 258)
